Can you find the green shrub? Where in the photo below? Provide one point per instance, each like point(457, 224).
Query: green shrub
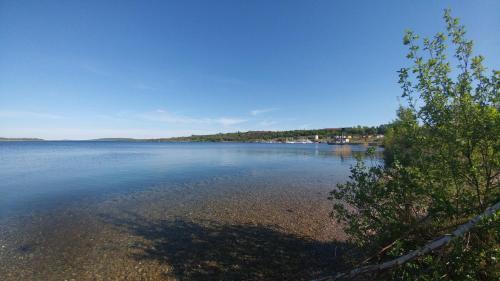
point(441, 167)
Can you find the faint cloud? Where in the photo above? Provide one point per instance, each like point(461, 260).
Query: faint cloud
point(229, 121)
point(64, 133)
point(267, 123)
point(27, 114)
point(142, 86)
point(92, 68)
point(108, 117)
point(161, 115)
point(223, 79)
point(256, 112)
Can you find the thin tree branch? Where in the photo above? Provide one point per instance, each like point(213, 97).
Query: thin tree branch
point(431, 246)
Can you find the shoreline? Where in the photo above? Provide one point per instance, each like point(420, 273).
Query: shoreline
point(205, 231)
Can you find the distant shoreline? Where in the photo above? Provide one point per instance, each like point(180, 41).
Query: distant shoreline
point(186, 141)
point(21, 139)
point(352, 135)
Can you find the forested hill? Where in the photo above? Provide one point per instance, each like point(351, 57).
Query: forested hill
point(250, 136)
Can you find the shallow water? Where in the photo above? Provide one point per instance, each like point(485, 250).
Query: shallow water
point(169, 211)
point(47, 173)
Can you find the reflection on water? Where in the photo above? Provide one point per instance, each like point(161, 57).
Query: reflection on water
point(347, 152)
point(34, 173)
point(169, 211)
point(343, 151)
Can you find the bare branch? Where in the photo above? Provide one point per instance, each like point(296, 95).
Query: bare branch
point(431, 246)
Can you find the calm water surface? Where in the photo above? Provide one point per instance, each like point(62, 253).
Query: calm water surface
point(169, 211)
point(44, 174)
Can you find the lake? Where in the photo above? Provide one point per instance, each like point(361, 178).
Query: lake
point(86, 201)
point(34, 173)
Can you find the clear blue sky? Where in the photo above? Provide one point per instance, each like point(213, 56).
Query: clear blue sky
point(88, 69)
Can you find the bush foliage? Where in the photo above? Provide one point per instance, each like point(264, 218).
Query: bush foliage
point(441, 166)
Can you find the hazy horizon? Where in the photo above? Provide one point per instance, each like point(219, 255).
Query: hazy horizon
point(88, 70)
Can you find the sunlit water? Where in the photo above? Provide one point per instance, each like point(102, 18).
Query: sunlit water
point(170, 211)
point(46, 174)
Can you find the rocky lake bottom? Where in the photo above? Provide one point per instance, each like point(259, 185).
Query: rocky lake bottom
point(201, 231)
point(253, 212)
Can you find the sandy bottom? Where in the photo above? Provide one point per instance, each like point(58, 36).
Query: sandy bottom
point(208, 230)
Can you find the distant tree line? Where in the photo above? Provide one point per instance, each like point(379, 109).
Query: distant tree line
point(283, 135)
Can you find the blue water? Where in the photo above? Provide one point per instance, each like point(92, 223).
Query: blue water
point(34, 173)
